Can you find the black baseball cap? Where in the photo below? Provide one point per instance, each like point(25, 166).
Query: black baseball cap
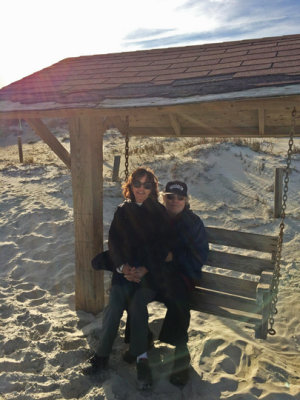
point(176, 187)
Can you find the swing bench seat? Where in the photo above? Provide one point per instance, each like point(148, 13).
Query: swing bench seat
point(237, 286)
point(232, 285)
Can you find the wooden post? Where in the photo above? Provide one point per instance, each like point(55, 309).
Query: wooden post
point(20, 149)
point(86, 135)
point(116, 167)
point(278, 191)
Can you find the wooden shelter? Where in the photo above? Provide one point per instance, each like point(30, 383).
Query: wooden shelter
point(244, 88)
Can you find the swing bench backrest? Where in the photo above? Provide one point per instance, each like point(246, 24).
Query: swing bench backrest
point(236, 285)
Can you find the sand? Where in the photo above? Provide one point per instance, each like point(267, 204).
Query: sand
point(44, 342)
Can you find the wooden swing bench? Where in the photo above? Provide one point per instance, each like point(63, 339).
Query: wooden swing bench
point(242, 289)
point(239, 287)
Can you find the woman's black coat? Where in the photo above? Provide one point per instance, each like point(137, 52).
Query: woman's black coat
point(140, 236)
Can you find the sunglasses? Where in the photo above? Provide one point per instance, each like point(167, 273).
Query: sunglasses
point(138, 184)
point(175, 196)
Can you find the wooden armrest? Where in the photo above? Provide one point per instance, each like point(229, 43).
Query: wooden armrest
point(265, 281)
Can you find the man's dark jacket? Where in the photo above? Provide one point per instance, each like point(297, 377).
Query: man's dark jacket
point(190, 244)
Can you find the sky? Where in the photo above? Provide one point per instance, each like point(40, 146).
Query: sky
point(38, 33)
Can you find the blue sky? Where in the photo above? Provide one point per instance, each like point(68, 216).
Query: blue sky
point(37, 33)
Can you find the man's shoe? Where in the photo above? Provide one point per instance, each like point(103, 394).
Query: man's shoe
point(128, 357)
point(98, 363)
point(181, 366)
point(144, 375)
point(180, 378)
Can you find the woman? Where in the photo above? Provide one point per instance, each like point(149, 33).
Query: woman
point(189, 249)
point(138, 245)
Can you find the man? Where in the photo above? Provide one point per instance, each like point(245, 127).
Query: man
point(189, 250)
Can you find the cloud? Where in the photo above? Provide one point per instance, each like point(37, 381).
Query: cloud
point(146, 33)
point(246, 31)
point(221, 20)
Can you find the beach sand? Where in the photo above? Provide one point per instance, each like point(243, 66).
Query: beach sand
point(44, 341)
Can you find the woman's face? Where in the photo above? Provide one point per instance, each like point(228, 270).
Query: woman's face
point(174, 203)
point(141, 188)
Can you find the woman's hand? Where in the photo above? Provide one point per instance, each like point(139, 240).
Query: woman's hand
point(169, 257)
point(133, 274)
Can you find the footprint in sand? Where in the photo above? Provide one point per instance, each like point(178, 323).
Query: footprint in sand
point(6, 311)
point(13, 345)
point(31, 295)
point(232, 362)
point(210, 347)
point(31, 363)
point(39, 330)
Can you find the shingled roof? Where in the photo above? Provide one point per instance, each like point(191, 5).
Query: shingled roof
point(162, 76)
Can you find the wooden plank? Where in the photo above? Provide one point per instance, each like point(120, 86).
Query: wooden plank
point(87, 163)
point(203, 297)
point(225, 313)
point(240, 263)
point(243, 240)
point(227, 284)
point(41, 130)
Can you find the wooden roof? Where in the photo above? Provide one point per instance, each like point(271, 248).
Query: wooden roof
point(221, 72)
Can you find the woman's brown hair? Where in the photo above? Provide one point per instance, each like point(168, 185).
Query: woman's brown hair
point(135, 176)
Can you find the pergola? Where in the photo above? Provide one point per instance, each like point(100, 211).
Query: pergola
point(244, 88)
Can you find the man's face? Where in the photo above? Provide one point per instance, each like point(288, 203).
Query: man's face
point(174, 203)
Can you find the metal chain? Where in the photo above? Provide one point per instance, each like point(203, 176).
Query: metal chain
point(277, 275)
point(127, 150)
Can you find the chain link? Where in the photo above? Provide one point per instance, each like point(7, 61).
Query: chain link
point(127, 150)
point(277, 275)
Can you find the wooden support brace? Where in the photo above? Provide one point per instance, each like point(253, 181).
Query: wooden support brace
point(175, 124)
point(86, 135)
point(261, 121)
point(44, 133)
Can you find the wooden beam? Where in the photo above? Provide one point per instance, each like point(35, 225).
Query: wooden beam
point(175, 124)
point(86, 136)
point(44, 133)
point(199, 122)
point(250, 131)
point(115, 122)
point(276, 104)
point(261, 121)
